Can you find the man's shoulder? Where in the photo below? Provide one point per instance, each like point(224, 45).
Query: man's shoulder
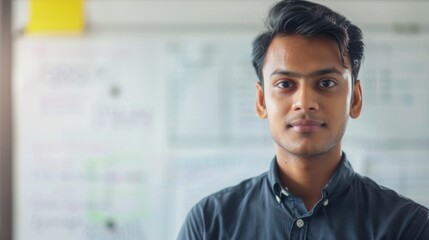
point(386, 207)
point(229, 201)
point(388, 202)
point(238, 192)
point(213, 215)
point(375, 190)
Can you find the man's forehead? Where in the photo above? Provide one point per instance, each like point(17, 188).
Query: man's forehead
point(321, 51)
point(288, 44)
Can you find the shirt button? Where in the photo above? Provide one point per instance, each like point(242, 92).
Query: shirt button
point(300, 223)
point(326, 202)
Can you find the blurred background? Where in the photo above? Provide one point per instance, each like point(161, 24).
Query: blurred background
point(117, 116)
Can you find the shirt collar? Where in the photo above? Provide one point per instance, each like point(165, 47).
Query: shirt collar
point(339, 181)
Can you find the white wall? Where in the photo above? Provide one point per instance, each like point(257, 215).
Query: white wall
point(102, 14)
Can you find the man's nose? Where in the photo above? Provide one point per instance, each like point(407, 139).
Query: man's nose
point(305, 99)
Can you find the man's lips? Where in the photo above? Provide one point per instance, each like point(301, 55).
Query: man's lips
point(306, 125)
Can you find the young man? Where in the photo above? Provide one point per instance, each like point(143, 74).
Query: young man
point(307, 63)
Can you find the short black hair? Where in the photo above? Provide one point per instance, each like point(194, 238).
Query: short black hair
point(309, 19)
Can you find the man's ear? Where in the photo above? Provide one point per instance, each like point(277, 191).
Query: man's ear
point(356, 105)
point(261, 110)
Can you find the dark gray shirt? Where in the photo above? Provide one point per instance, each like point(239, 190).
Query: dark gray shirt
point(351, 207)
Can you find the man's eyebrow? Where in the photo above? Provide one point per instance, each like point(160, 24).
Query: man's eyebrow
point(316, 73)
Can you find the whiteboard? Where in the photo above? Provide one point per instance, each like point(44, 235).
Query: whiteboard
point(118, 135)
point(88, 139)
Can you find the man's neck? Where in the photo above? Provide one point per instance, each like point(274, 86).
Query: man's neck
point(306, 176)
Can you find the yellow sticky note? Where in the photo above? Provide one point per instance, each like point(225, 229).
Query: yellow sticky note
point(56, 16)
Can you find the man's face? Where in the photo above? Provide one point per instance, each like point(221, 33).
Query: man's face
point(307, 95)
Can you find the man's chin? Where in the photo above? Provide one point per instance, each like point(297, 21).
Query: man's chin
point(306, 151)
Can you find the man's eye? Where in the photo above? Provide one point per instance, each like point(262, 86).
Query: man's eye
point(285, 84)
point(327, 83)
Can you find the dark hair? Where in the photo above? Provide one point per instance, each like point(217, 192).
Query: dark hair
point(309, 19)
